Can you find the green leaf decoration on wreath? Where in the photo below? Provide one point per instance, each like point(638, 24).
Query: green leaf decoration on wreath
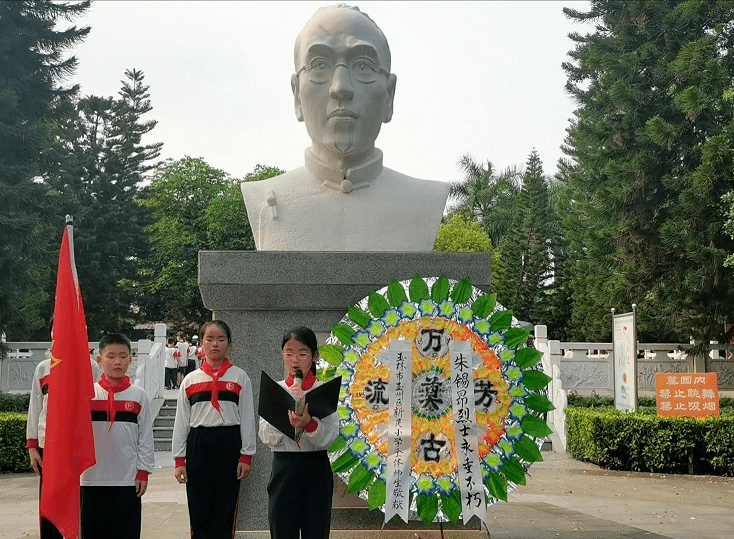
point(339, 443)
point(358, 316)
point(360, 479)
point(536, 380)
point(514, 337)
point(509, 389)
point(440, 290)
point(513, 471)
point(535, 426)
point(497, 486)
point(461, 291)
point(343, 332)
point(331, 353)
point(344, 463)
point(427, 508)
point(539, 403)
point(418, 289)
point(395, 293)
point(451, 505)
point(376, 496)
point(484, 305)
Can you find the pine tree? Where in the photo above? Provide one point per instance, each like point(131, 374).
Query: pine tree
point(100, 182)
point(524, 268)
point(32, 100)
point(653, 143)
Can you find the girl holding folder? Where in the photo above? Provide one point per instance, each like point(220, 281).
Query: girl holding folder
point(301, 483)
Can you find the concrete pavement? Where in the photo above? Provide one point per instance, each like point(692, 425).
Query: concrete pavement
point(564, 499)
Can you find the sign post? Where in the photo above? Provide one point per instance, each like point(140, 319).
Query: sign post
point(624, 349)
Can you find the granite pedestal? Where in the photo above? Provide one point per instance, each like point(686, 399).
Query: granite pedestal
point(262, 294)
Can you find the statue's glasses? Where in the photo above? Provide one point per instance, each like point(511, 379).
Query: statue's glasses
point(321, 70)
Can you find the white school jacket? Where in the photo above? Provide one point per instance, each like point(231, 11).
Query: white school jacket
point(125, 446)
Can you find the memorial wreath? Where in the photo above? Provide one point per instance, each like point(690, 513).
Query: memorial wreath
point(442, 404)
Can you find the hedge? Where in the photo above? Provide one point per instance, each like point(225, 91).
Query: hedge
point(601, 401)
point(13, 454)
point(14, 403)
point(650, 443)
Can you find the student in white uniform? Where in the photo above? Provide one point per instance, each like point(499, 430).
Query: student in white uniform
point(214, 436)
point(123, 443)
point(301, 484)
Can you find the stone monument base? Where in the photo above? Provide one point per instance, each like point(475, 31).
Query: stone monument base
point(262, 294)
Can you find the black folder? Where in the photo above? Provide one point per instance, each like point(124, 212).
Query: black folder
point(275, 401)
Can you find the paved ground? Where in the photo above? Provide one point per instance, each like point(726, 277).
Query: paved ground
point(563, 499)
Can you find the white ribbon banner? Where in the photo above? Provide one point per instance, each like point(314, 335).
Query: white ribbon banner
point(467, 449)
point(397, 496)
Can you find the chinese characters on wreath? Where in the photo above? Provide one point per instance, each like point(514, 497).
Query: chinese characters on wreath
point(467, 449)
point(430, 395)
point(398, 461)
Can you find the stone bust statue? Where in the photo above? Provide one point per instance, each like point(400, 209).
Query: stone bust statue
point(343, 199)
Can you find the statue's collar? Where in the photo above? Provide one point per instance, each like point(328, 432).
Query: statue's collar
point(357, 177)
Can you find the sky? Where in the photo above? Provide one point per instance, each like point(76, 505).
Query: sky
point(476, 78)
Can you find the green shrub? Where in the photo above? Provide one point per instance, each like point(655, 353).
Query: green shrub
point(14, 403)
point(644, 441)
point(13, 454)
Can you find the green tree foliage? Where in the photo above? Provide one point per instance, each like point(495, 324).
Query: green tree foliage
point(195, 208)
point(524, 269)
point(32, 100)
point(486, 196)
point(461, 235)
point(102, 165)
point(653, 147)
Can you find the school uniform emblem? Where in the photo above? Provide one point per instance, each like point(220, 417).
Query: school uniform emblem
point(129, 406)
point(229, 386)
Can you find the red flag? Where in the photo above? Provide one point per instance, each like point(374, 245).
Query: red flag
point(69, 447)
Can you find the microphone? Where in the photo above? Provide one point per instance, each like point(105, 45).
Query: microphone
point(297, 381)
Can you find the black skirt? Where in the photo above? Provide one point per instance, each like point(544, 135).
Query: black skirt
point(299, 495)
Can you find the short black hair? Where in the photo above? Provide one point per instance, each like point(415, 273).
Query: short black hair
point(114, 338)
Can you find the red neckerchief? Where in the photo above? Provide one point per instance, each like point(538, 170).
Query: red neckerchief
point(307, 383)
point(111, 389)
point(216, 375)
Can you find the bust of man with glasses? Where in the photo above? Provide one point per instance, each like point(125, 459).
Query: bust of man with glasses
point(343, 199)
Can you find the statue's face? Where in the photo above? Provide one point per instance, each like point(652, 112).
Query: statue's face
point(342, 87)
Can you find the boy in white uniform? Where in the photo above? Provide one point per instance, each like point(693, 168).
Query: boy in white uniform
point(123, 440)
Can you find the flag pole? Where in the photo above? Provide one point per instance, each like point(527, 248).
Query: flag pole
point(70, 228)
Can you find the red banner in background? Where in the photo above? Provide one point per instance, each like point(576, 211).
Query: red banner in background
point(69, 446)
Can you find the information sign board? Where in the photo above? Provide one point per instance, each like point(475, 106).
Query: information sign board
point(687, 394)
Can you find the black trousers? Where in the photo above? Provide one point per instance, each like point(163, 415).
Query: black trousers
point(299, 495)
point(213, 490)
point(48, 529)
point(110, 513)
point(171, 376)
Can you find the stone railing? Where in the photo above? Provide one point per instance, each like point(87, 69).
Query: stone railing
point(586, 368)
point(19, 364)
